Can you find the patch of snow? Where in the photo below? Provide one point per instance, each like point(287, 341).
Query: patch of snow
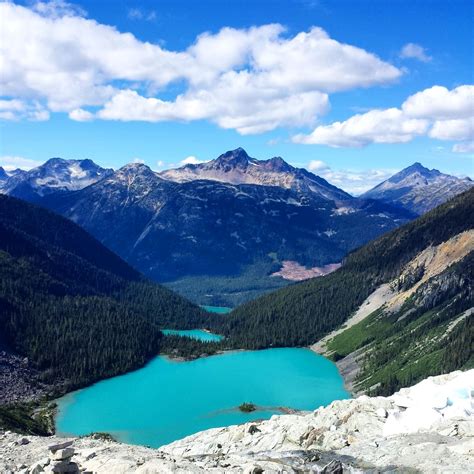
point(430, 401)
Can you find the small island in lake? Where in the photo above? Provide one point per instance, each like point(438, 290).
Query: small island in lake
point(247, 407)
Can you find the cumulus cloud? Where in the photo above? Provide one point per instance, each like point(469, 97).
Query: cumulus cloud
point(57, 9)
point(459, 129)
point(353, 181)
point(10, 163)
point(376, 126)
point(415, 51)
point(438, 103)
point(14, 109)
point(317, 166)
point(436, 112)
point(251, 80)
point(190, 160)
point(81, 115)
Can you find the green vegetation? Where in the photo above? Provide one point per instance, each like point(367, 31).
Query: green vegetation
point(75, 309)
point(247, 407)
point(33, 418)
point(303, 313)
point(188, 347)
point(253, 281)
point(431, 334)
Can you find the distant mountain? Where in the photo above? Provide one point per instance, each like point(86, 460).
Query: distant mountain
point(3, 176)
point(400, 308)
point(419, 189)
point(56, 175)
point(75, 309)
point(237, 167)
point(204, 228)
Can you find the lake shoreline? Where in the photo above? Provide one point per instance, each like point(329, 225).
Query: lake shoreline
point(346, 367)
point(241, 376)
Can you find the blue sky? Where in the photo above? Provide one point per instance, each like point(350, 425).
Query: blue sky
point(295, 120)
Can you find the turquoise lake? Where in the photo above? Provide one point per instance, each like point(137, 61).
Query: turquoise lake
point(167, 400)
point(194, 334)
point(217, 309)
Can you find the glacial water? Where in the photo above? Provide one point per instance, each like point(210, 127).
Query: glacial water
point(217, 309)
point(167, 400)
point(194, 334)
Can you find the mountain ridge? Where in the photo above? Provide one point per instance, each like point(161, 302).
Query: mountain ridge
point(56, 175)
point(418, 188)
point(237, 167)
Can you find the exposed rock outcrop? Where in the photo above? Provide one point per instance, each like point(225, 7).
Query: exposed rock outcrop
point(425, 428)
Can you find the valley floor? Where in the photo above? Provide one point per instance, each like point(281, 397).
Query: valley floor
point(426, 428)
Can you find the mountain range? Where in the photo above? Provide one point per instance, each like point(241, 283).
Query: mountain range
point(419, 189)
point(237, 167)
point(55, 176)
point(218, 231)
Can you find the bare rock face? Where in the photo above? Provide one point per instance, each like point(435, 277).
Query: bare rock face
point(425, 428)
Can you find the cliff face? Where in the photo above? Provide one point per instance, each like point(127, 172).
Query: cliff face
point(425, 428)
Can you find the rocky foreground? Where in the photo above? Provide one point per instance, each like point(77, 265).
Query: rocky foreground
point(425, 428)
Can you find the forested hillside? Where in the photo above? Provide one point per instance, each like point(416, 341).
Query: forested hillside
point(303, 313)
point(75, 309)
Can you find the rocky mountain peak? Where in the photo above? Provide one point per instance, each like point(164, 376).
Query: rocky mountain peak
point(237, 158)
point(418, 188)
point(134, 170)
point(237, 167)
point(3, 174)
point(55, 175)
point(278, 164)
point(415, 170)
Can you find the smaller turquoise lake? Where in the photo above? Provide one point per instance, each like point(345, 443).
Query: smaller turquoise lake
point(217, 309)
point(168, 400)
point(199, 334)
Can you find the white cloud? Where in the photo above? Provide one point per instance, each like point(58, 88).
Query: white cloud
point(439, 103)
point(466, 147)
point(11, 163)
point(353, 181)
point(460, 129)
point(376, 126)
point(14, 109)
point(138, 14)
point(251, 80)
point(190, 160)
point(437, 112)
point(415, 51)
point(317, 166)
point(138, 160)
point(57, 9)
point(81, 115)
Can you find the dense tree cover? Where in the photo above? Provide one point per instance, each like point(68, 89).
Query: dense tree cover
point(189, 348)
point(302, 313)
point(78, 311)
point(252, 281)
